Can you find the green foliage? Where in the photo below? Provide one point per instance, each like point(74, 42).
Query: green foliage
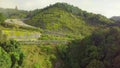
point(95, 64)
point(5, 60)
point(61, 55)
point(37, 65)
point(46, 49)
point(100, 50)
point(94, 19)
point(16, 56)
point(39, 56)
point(2, 18)
point(97, 19)
point(52, 37)
point(10, 46)
point(61, 49)
point(65, 18)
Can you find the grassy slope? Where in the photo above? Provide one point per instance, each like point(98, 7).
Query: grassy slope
point(38, 56)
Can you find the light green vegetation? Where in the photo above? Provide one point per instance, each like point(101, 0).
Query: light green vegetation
point(5, 61)
point(42, 56)
point(57, 37)
point(21, 34)
point(67, 19)
point(59, 20)
point(11, 55)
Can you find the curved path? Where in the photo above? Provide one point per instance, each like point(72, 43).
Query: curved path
point(18, 22)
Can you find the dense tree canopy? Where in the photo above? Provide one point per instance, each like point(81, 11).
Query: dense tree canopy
point(100, 50)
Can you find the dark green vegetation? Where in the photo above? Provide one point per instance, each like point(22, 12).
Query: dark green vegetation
point(100, 50)
point(93, 39)
point(11, 55)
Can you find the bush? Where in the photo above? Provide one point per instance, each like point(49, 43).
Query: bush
point(5, 60)
point(11, 47)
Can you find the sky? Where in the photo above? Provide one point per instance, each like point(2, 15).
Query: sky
point(107, 8)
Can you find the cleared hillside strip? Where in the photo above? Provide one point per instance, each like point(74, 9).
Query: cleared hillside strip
point(39, 42)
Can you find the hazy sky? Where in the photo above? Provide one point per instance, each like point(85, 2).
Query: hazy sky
point(105, 7)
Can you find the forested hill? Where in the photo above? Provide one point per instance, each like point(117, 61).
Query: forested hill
point(115, 18)
point(13, 13)
point(63, 17)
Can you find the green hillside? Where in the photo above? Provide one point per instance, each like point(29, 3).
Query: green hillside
point(65, 18)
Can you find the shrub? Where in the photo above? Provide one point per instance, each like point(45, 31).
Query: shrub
point(11, 47)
